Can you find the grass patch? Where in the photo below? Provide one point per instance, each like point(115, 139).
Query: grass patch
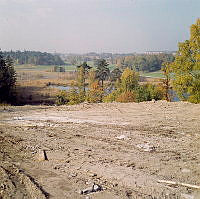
point(156, 74)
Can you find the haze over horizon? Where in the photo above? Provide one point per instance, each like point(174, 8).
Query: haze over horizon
point(81, 26)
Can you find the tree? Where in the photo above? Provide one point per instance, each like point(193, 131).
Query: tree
point(102, 72)
point(166, 81)
point(7, 78)
point(125, 88)
point(82, 72)
point(186, 67)
point(115, 75)
point(129, 80)
point(34, 57)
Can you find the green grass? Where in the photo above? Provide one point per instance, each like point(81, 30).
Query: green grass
point(42, 67)
point(33, 67)
point(50, 67)
point(156, 74)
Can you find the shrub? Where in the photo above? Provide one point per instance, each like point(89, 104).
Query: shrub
point(95, 93)
point(148, 92)
point(112, 96)
point(61, 98)
point(127, 96)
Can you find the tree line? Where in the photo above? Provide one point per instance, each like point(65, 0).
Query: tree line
point(138, 62)
point(34, 58)
point(144, 62)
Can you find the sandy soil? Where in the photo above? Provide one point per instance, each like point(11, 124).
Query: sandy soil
point(124, 148)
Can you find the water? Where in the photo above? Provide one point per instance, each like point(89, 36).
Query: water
point(65, 88)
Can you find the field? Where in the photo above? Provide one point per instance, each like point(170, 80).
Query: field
point(156, 74)
point(33, 83)
point(126, 149)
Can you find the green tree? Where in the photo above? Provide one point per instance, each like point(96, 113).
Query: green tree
point(83, 70)
point(7, 79)
point(186, 67)
point(102, 72)
point(115, 75)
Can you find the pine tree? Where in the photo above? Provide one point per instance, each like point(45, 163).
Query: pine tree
point(7, 79)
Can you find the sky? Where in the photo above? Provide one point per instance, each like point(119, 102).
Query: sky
point(81, 26)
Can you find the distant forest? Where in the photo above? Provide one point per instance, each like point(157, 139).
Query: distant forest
point(138, 62)
point(34, 57)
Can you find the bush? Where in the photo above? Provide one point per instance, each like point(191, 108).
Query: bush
point(112, 96)
point(75, 96)
point(127, 96)
point(61, 98)
point(148, 92)
point(95, 93)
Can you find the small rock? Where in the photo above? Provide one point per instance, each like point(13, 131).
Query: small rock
point(93, 174)
point(146, 147)
point(42, 156)
point(187, 196)
point(123, 137)
point(73, 175)
point(185, 170)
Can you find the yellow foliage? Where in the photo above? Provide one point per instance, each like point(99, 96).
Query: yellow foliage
point(126, 96)
point(95, 93)
point(129, 80)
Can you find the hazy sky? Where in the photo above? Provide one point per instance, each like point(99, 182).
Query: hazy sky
point(95, 25)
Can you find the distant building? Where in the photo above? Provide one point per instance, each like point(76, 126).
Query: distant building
point(159, 52)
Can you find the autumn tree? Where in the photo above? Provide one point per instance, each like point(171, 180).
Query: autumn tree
point(125, 88)
point(129, 80)
point(166, 81)
point(186, 67)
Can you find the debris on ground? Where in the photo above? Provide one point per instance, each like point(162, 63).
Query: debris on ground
point(123, 137)
point(146, 147)
point(93, 188)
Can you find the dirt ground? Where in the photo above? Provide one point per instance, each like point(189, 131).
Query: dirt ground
point(124, 148)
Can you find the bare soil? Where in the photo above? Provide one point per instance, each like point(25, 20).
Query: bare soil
point(100, 143)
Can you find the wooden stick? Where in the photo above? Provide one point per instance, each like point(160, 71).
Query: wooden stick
point(179, 183)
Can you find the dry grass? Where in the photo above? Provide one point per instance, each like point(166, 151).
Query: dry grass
point(35, 92)
point(33, 86)
point(39, 75)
